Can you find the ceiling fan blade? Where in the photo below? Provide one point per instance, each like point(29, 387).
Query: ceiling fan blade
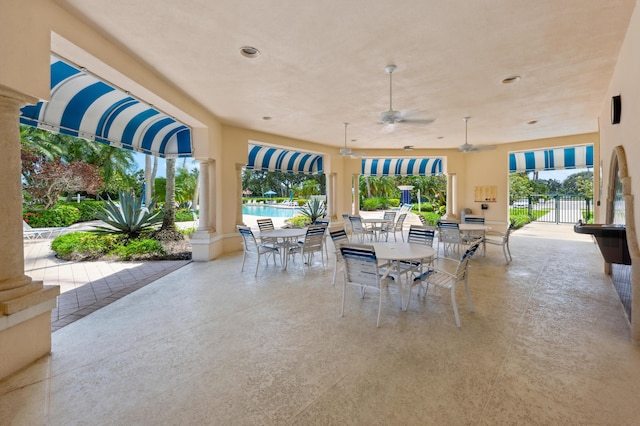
point(418, 121)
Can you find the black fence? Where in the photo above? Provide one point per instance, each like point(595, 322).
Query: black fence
point(555, 208)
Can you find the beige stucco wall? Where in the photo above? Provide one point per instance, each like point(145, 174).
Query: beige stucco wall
point(491, 167)
point(626, 83)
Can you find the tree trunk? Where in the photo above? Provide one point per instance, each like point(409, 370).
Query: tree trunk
point(168, 231)
point(169, 222)
point(149, 176)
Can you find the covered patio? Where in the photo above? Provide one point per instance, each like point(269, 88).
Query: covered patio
point(547, 344)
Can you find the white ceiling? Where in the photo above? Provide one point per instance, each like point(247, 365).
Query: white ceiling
point(322, 63)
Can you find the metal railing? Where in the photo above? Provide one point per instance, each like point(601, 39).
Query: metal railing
point(555, 208)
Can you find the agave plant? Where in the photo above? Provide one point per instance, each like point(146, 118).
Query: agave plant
point(313, 209)
point(130, 217)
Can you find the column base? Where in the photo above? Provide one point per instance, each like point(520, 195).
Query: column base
point(25, 325)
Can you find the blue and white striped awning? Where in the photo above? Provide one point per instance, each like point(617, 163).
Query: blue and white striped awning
point(401, 166)
point(577, 157)
point(283, 160)
point(84, 106)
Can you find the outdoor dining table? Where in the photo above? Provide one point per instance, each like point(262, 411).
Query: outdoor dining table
point(286, 237)
point(372, 221)
point(476, 228)
point(396, 252)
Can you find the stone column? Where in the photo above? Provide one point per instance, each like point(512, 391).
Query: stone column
point(355, 191)
point(203, 178)
point(451, 196)
point(238, 194)
point(331, 196)
point(25, 305)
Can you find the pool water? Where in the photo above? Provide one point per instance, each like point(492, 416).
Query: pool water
point(268, 211)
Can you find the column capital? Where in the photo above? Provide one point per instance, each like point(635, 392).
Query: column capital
point(17, 99)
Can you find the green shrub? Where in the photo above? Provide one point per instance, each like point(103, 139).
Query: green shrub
point(83, 245)
point(129, 218)
point(138, 248)
point(394, 202)
point(313, 209)
point(57, 216)
point(519, 220)
point(375, 203)
point(187, 231)
point(427, 207)
point(298, 221)
point(88, 208)
point(432, 218)
point(184, 215)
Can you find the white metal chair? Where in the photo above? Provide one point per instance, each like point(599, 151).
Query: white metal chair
point(397, 227)
point(251, 247)
point(449, 237)
point(347, 223)
point(500, 239)
point(387, 226)
point(361, 270)
point(446, 273)
point(313, 243)
point(358, 230)
point(416, 268)
point(339, 238)
point(266, 224)
point(471, 236)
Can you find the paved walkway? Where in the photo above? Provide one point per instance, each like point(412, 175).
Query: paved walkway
point(88, 286)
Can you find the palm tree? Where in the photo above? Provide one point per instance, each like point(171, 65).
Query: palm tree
point(168, 231)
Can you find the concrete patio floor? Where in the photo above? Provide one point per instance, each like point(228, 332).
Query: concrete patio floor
point(548, 343)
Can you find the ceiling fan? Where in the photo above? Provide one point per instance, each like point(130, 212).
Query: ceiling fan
point(391, 117)
point(467, 147)
point(347, 152)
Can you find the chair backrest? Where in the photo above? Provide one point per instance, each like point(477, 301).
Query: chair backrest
point(421, 235)
point(321, 221)
point(448, 232)
point(448, 225)
point(423, 220)
point(314, 238)
point(265, 224)
point(400, 221)
point(360, 265)
point(339, 238)
point(356, 223)
point(463, 264)
point(249, 240)
point(389, 215)
point(347, 222)
point(474, 219)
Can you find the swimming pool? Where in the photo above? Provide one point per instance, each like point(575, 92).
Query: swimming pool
point(269, 211)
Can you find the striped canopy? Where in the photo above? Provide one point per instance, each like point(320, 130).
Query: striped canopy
point(401, 166)
point(576, 157)
point(283, 160)
point(84, 106)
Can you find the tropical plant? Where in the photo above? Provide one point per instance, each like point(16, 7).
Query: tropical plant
point(313, 209)
point(130, 218)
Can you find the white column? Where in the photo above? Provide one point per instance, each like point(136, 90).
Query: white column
point(451, 196)
point(238, 194)
point(203, 181)
point(12, 248)
point(25, 305)
point(355, 190)
point(331, 196)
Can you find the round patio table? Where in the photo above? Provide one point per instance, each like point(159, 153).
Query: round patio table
point(286, 238)
point(396, 252)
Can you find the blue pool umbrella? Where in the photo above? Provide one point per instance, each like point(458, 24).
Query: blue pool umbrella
point(270, 193)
